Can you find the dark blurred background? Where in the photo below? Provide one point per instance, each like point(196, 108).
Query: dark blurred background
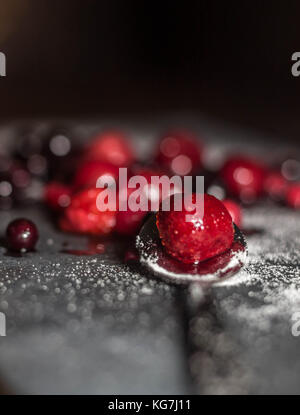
point(87, 57)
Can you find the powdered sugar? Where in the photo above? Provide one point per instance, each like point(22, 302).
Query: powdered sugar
point(255, 351)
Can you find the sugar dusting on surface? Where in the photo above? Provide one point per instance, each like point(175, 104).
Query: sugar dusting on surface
point(81, 322)
point(247, 329)
point(154, 259)
point(116, 309)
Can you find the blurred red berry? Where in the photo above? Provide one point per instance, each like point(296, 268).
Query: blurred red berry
point(21, 235)
point(154, 191)
point(90, 171)
point(293, 196)
point(234, 210)
point(275, 185)
point(57, 196)
point(199, 239)
point(128, 222)
point(111, 147)
point(243, 178)
point(179, 152)
point(83, 215)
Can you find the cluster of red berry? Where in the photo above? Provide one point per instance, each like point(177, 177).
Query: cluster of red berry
point(179, 153)
point(68, 175)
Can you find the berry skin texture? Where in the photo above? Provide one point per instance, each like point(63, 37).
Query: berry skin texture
point(111, 147)
point(234, 210)
point(57, 196)
point(21, 235)
point(83, 216)
point(90, 171)
point(179, 152)
point(199, 239)
point(244, 178)
point(293, 196)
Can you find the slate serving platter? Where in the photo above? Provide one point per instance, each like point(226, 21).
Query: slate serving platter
point(94, 325)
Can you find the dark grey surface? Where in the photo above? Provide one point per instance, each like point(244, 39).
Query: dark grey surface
point(87, 324)
point(94, 325)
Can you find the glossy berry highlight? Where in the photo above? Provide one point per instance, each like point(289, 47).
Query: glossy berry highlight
point(275, 185)
point(293, 196)
point(243, 178)
point(202, 237)
point(21, 235)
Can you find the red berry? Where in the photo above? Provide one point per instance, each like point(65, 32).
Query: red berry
point(243, 178)
point(21, 235)
point(199, 239)
point(179, 152)
point(293, 196)
point(83, 215)
point(234, 210)
point(275, 185)
point(57, 196)
point(90, 171)
point(127, 221)
point(111, 147)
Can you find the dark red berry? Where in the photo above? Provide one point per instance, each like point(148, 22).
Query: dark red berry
point(199, 239)
point(127, 221)
point(234, 210)
point(90, 171)
point(293, 196)
point(154, 191)
point(57, 196)
point(179, 152)
point(243, 178)
point(83, 215)
point(21, 235)
point(111, 147)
